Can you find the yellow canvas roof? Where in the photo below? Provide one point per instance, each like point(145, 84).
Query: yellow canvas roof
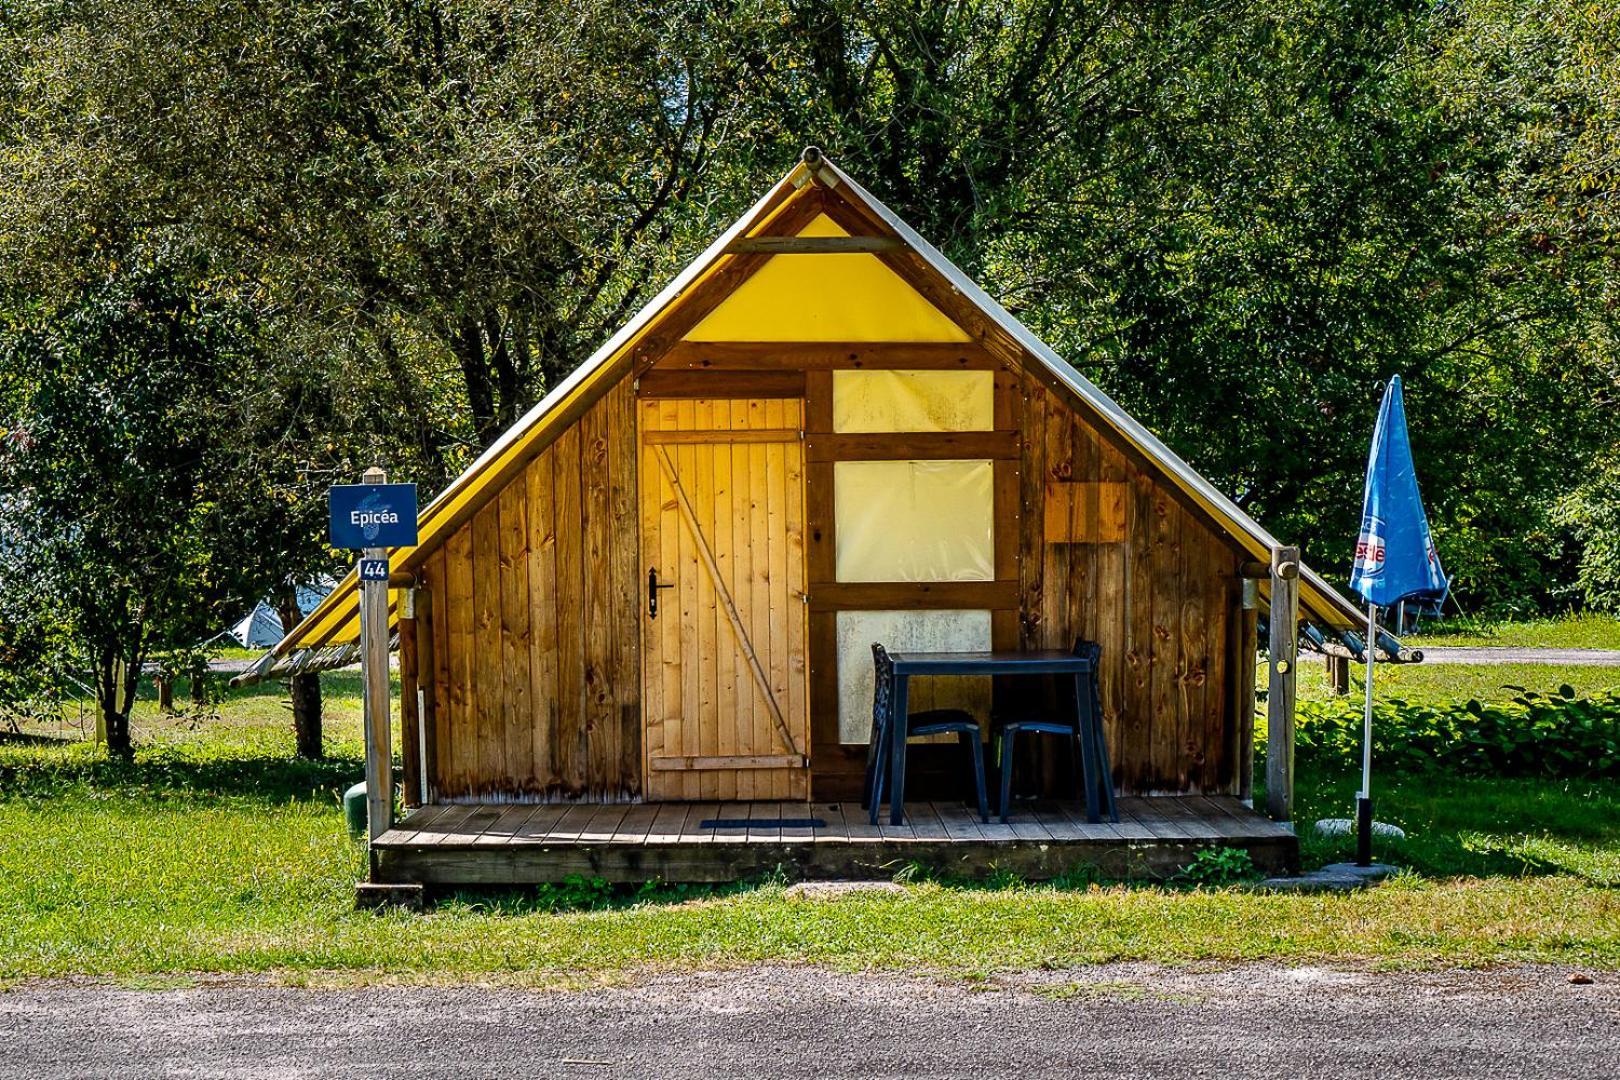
point(335, 622)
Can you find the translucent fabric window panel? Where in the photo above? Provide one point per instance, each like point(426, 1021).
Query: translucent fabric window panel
point(913, 400)
point(899, 631)
point(914, 520)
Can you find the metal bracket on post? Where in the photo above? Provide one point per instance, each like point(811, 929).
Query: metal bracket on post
point(1284, 650)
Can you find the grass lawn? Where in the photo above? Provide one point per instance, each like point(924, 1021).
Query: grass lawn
point(1454, 682)
point(216, 852)
point(1574, 631)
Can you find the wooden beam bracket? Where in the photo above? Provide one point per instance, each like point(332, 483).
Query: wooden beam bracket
point(813, 245)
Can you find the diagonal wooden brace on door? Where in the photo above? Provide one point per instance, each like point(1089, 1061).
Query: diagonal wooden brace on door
point(730, 605)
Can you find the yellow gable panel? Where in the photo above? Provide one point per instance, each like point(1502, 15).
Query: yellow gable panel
point(851, 297)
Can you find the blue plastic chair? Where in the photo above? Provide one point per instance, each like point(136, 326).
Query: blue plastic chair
point(1087, 723)
point(918, 724)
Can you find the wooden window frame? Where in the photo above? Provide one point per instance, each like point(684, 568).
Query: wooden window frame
point(837, 768)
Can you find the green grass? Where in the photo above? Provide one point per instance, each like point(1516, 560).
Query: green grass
point(216, 852)
point(1436, 683)
point(1586, 630)
point(1464, 826)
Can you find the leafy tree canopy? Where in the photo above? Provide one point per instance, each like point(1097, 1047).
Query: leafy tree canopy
point(1240, 219)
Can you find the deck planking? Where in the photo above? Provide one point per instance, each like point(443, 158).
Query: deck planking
point(460, 844)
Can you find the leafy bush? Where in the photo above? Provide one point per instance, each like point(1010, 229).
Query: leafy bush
point(1219, 866)
point(1556, 736)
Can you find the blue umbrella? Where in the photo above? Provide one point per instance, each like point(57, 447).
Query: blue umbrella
point(1395, 560)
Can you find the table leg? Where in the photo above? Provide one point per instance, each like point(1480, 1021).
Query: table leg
point(1088, 745)
point(899, 710)
point(1105, 773)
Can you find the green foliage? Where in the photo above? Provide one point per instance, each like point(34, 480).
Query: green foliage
point(1557, 736)
point(1218, 867)
point(1239, 222)
point(113, 467)
point(36, 677)
point(1592, 513)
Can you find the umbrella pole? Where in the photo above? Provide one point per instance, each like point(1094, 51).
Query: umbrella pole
point(1364, 814)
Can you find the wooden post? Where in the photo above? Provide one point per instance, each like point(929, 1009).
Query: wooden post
point(409, 720)
point(1248, 659)
point(1338, 673)
point(1280, 695)
point(374, 666)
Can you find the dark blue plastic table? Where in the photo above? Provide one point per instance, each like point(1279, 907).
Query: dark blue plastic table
point(1098, 786)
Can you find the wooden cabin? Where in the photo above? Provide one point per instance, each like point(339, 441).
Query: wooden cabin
point(650, 605)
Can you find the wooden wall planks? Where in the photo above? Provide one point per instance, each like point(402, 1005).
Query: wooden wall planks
point(1138, 573)
point(537, 664)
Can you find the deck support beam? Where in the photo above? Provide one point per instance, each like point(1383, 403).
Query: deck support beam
point(1284, 652)
point(1248, 657)
point(1338, 673)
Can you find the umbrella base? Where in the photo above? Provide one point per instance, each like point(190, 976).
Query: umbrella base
point(1343, 826)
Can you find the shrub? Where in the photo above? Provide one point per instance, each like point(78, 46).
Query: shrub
point(1556, 736)
point(1218, 867)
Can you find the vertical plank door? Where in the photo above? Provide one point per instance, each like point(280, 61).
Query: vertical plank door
point(722, 511)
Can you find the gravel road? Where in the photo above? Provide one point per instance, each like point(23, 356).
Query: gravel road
point(1445, 654)
point(1118, 1021)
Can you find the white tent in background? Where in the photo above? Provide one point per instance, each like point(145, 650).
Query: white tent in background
point(260, 628)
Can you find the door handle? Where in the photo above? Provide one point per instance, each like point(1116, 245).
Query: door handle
point(652, 592)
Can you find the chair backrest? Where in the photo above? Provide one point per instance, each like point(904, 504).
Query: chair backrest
point(1092, 651)
point(882, 685)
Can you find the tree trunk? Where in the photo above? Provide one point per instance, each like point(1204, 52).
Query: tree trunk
point(119, 743)
point(306, 705)
point(468, 345)
point(165, 689)
point(114, 721)
point(305, 689)
point(199, 686)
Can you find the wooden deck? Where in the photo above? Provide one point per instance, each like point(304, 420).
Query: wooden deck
point(489, 844)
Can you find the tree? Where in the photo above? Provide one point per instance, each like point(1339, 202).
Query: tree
point(1241, 222)
point(110, 467)
point(470, 193)
point(290, 442)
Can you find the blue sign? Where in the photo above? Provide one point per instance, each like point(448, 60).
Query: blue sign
point(373, 569)
point(372, 515)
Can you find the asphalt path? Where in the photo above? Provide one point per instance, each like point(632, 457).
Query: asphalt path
point(1119, 1021)
point(1433, 654)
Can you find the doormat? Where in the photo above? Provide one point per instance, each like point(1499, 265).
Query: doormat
point(745, 823)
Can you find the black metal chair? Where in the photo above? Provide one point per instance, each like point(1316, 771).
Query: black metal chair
point(1086, 724)
point(918, 724)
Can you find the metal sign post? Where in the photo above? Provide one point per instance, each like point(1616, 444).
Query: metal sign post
point(373, 516)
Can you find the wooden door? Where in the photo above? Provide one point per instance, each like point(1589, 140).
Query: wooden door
point(725, 674)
